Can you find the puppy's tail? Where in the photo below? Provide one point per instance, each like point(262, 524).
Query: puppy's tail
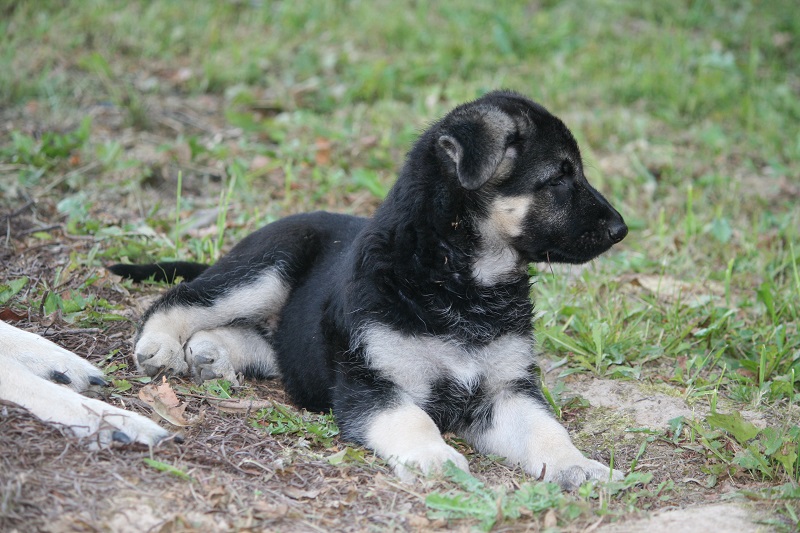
point(164, 272)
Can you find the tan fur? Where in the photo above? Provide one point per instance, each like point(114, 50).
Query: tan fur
point(497, 258)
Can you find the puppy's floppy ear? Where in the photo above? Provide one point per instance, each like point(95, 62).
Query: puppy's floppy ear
point(477, 148)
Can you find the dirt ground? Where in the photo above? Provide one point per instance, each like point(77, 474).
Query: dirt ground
point(234, 476)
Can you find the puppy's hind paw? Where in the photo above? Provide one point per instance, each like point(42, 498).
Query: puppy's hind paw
point(160, 352)
point(574, 476)
point(208, 358)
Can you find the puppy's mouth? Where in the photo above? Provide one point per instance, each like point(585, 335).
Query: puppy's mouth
point(559, 256)
point(588, 246)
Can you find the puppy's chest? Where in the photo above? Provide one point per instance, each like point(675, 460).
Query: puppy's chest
point(419, 364)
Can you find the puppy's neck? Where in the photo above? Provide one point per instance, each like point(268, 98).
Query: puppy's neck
point(495, 259)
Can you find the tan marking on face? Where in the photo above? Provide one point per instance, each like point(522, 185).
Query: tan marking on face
point(506, 216)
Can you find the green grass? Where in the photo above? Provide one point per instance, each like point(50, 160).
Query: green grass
point(688, 115)
point(279, 420)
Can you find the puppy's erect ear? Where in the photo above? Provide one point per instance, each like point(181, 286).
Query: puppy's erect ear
point(477, 146)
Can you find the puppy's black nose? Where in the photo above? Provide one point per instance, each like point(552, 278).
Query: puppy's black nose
point(617, 231)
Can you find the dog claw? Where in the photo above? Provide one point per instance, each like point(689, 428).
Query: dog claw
point(122, 438)
point(203, 360)
point(60, 377)
point(207, 374)
point(152, 370)
point(97, 380)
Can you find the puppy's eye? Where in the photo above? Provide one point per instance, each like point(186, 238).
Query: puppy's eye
point(565, 172)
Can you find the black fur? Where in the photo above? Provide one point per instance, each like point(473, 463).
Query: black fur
point(162, 272)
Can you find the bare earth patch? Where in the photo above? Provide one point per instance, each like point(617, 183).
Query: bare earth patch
point(653, 409)
point(720, 518)
point(650, 409)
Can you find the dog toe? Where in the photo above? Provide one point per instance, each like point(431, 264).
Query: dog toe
point(60, 377)
point(427, 460)
point(98, 381)
point(208, 359)
point(158, 353)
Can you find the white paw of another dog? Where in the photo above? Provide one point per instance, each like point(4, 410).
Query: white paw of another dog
point(97, 422)
point(158, 352)
point(45, 379)
point(49, 360)
point(208, 358)
point(428, 459)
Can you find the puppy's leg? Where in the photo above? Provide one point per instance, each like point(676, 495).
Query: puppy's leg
point(226, 352)
point(522, 430)
point(215, 299)
point(409, 440)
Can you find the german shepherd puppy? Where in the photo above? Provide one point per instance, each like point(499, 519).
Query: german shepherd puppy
point(416, 321)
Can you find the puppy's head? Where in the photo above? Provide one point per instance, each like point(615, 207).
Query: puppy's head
point(525, 167)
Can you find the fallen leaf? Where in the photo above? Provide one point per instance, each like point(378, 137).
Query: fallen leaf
point(7, 315)
point(164, 402)
point(300, 494)
point(550, 520)
point(418, 522)
point(218, 497)
point(259, 162)
point(270, 510)
point(323, 152)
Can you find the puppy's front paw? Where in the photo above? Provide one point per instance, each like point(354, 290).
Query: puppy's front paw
point(208, 358)
point(159, 352)
point(570, 477)
point(427, 459)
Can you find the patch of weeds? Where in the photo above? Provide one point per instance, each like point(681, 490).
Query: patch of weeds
point(370, 180)
point(120, 92)
point(121, 385)
point(46, 151)
point(11, 289)
point(79, 305)
point(218, 388)
point(471, 499)
point(594, 346)
point(734, 446)
point(221, 389)
point(626, 492)
point(319, 429)
point(138, 243)
point(349, 455)
point(788, 514)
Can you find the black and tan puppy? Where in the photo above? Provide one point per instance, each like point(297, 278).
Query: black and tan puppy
point(416, 321)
